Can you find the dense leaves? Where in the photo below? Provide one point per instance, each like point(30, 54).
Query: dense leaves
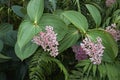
point(10, 38)
point(72, 21)
point(41, 66)
point(3, 58)
point(4, 28)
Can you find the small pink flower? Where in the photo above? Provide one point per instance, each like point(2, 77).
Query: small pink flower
point(47, 40)
point(93, 50)
point(110, 2)
point(113, 31)
point(79, 53)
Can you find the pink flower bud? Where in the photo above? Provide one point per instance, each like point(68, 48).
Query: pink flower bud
point(79, 53)
point(113, 31)
point(47, 40)
point(93, 50)
point(110, 2)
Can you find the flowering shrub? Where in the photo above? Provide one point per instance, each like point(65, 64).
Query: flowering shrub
point(39, 39)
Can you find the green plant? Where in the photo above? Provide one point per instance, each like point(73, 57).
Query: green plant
point(72, 21)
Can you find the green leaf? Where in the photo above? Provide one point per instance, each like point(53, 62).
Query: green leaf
point(58, 25)
point(111, 48)
point(4, 28)
point(19, 10)
point(95, 14)
point(112, 71)
point(35, 9)
point(4, 58)
point(76, 73)
point(70, 39)
point(102, 70)
point(86, 68)
point(42, 65)
point(10, 38)
point(53, 4)
point(26, 32)
point(61, 66)
point(94, 70)
point(25, 51)
point(89, 69)
point(1, 45)
point(59, 14)
point(116, 12)
point(83, 63)
point(77, 19)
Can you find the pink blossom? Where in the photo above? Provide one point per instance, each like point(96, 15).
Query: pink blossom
point(47, 40)
point(79, 53)
point(110, 2)
point(93, 50)
point(113, 31)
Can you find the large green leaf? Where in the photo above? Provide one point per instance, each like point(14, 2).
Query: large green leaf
point(26, 32)
point(70, 39)
point(1, 45)
point(111, 48)
point(58, 25)
point(77, 19)
point(25, 51)
point(95, 14)
point(35, 9)
point(10, 38)
point(4, 28)
point(19, 10)
point(4, 58)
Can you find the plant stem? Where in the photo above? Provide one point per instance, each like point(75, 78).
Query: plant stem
point(78, 5)
point(8, 11)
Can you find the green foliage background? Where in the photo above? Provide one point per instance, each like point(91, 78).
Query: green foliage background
point(72, 20)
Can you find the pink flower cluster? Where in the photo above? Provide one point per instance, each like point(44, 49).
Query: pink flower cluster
point(93, 50)
point(110, 2)
point(79, 53)
point(47, 40)
point(113, 31)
